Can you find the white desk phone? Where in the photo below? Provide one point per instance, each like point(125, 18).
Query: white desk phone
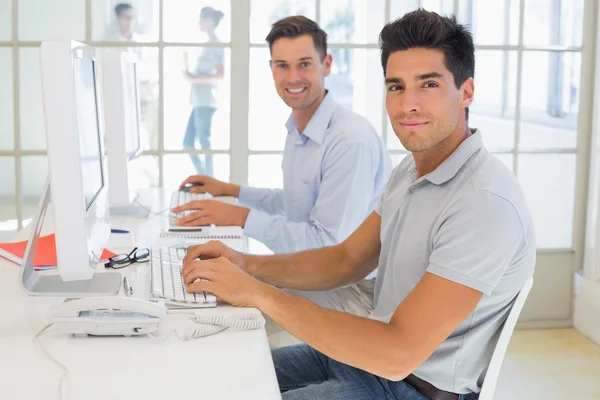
point(126, 316)
point(129, 316)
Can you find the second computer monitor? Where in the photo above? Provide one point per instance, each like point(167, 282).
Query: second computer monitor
point(124, 132)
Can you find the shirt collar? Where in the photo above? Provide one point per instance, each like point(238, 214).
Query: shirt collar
point(315, 130)
point(451, 165)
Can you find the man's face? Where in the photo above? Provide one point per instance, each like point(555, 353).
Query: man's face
point(422, 101)
point(125, 20)
point(298, 71)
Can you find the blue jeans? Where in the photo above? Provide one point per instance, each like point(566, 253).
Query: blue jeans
point(305, 374)
point(199, 128)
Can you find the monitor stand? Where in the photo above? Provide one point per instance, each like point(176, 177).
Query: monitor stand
point(37, 284)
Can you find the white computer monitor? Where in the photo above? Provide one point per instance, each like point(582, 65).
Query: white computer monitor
point(77, 183)
point(123, 137)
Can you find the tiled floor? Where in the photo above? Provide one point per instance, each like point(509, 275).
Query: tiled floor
point(554, 364)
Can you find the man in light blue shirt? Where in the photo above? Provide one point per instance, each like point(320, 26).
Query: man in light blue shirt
point(335, 171)
point(335, 166)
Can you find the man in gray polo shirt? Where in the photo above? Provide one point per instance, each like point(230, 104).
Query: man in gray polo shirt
point(452, 236)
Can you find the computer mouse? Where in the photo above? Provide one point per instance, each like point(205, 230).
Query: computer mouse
point(188, 186)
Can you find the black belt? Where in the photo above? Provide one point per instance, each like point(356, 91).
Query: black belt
point(428, 390)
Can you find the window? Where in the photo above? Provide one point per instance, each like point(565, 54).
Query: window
point(5, 20)
point(47, 20)
point(528, 83)
point(7, 137)
point(527, 100)
point(141, 20)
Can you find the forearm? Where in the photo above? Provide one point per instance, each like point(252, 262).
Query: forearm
point(262, 199)
point(366, 344)
point(283, 236)
point(311, 270)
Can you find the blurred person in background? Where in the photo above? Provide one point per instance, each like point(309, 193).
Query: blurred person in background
point(123, 30)
point(204, 78)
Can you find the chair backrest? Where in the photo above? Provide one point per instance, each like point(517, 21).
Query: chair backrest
point(491, 377)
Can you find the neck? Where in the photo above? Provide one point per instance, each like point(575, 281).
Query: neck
point(212, 36)
point(427, 161)
point(303, 116)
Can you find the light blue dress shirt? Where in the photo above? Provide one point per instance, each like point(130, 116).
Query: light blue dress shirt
point(333, 175)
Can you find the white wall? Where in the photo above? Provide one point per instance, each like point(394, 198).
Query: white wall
point(587, 290)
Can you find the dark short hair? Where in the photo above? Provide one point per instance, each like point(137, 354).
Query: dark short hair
point(119, 8)
point(295, 26)
point(215, 15)
point(428, 30)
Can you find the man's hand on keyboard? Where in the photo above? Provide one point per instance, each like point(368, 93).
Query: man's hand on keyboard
point(207, 184)
point(225, 280)
point(208, 212)
point(212, 249)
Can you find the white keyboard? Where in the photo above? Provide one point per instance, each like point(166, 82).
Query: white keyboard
point(179, 198)
point(166, 281)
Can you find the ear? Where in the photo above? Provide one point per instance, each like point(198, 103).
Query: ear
point(327, 64)
point(468, 92)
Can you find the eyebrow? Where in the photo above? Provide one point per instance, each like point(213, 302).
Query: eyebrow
point(284, 61)
point(421, 77)
point(428, 75)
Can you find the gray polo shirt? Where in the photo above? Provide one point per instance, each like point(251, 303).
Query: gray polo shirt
point(467, 221)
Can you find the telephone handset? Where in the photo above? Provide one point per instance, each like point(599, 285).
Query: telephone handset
point(108, 316)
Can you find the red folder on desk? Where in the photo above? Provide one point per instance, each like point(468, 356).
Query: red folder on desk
point(45, 254)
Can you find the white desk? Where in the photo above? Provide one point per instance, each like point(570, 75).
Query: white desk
point(229, 365)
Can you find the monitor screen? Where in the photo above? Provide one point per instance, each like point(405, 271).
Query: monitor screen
point(132, 139)
point(89, 130)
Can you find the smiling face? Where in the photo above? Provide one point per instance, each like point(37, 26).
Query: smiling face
point(424, 105)
point(298, 71)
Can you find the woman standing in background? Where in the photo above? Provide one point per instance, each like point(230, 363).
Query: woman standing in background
point(204, 79)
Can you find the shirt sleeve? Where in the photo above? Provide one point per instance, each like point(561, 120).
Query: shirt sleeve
point(379, 208)
point(269, 201)
point(344, 200)
point(477, 240)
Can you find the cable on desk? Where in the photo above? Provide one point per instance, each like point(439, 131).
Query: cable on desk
point(200, 332)
point(149, 210)
point(61, 391)
point(246, 322)
point(208, 325)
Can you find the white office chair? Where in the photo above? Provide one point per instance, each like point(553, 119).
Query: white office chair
point(491, 377)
